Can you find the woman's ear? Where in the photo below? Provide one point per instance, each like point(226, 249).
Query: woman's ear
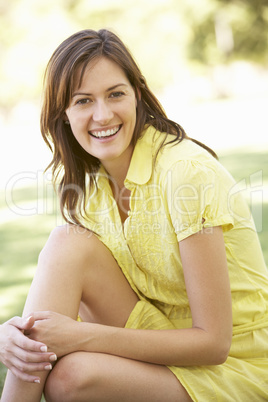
point(65, 118)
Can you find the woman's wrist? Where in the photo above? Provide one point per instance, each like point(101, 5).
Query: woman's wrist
point(95, 337)
point(85, 337)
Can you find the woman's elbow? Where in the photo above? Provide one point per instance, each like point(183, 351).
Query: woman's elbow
point(220, 351)
point(222, 356)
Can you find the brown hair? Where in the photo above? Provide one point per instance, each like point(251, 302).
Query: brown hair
point(70, 161)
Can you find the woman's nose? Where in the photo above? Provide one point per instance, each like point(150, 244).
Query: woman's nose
point(102, 113)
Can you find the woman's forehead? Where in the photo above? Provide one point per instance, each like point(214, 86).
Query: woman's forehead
point(101, 67)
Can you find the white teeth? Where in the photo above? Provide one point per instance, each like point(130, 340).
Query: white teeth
point(107, 133)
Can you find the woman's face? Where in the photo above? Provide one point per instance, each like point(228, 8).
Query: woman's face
point(102, 113)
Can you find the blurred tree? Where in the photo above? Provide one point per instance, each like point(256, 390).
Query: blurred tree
point(153, 31)
point(164, 35)
point(26, 28)
point(30, 31)
point(230, 29)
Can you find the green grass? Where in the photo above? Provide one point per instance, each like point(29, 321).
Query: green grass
point(250, 169)
point(2, 376)
point(22, 237)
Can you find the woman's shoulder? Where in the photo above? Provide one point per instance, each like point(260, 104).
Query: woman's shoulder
point(157, 152)
point(189, 162)
point(186, 152)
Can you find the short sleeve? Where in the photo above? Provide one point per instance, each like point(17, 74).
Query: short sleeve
point(197, 196)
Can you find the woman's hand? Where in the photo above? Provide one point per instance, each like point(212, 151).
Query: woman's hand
point(57, 331)
point(21, 354)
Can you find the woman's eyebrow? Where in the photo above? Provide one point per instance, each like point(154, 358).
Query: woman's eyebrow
point(109, 89)
point(115, 86)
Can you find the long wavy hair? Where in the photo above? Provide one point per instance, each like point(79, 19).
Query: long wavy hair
point(71, 163)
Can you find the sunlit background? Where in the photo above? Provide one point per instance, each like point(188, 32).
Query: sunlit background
point(205, 59)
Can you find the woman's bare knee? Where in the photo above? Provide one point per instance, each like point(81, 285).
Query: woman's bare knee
point(93, 376)
point(67, 381)
point(67, 240)
point(75, 259)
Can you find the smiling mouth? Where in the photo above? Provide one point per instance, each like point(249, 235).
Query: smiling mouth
point(105, 133)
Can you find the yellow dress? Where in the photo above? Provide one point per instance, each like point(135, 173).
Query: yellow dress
point(172, 193)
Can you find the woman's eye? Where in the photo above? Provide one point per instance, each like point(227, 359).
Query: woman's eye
point(83, 101)
point(117, 94)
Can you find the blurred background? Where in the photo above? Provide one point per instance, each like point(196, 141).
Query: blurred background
point(206, 60)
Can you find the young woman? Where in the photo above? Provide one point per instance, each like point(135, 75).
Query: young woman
point(160, 258)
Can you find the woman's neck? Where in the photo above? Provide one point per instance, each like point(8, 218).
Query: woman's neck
point(117, 169)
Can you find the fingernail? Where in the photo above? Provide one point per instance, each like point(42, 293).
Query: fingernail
point(43, 348)
point(53, 358)
point(48, 367)
point(37, 381)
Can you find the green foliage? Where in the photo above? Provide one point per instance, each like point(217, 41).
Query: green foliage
point(163, 35)
point(230, 30)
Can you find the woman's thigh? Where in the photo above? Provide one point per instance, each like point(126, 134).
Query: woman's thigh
point(86, 376)
point(107, 297)
point(77, 272)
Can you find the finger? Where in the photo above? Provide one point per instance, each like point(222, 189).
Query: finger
point(25, 376)
point(28, 322)
point(20, 322)
point(16, 337)
point(33, 357)
point(29, 367)
point(29, 344)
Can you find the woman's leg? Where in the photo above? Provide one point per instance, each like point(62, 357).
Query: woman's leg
point(77, 272)
point(83, 377)
point(73, 266)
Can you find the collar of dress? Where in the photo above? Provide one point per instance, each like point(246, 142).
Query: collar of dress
point(141, 164)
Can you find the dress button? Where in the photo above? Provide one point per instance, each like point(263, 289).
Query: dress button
point(144, 289)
